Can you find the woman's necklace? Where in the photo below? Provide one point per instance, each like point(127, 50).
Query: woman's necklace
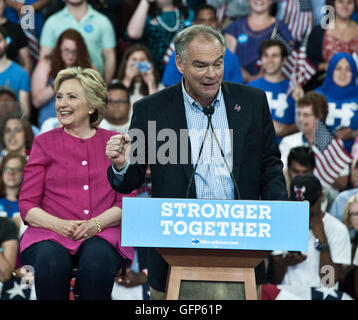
point(168, 28)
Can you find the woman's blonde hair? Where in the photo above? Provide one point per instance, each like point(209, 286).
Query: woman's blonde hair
point(94, 87)
point(346, 217)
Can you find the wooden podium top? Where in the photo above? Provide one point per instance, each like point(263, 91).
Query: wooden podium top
point(213, 257)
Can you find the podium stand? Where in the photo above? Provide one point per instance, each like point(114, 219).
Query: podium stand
point(214, 240)
point(211, 265)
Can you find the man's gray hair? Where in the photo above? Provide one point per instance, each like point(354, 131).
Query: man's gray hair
point(184, 37)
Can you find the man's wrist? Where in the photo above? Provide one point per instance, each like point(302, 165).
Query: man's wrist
point(321, 245)
point(118, 168)
point(122, 170)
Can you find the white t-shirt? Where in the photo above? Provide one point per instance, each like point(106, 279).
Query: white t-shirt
point(123, 128)
point(306, 273)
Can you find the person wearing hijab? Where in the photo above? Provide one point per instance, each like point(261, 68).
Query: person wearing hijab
point(340, 89)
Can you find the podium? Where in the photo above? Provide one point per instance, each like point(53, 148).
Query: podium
point(212, 265)
point(214, 240)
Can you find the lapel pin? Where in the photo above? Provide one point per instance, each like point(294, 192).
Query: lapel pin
point(237, 108)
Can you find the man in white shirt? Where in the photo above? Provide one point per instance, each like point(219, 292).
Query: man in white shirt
point(118, 116)
point(329, 244)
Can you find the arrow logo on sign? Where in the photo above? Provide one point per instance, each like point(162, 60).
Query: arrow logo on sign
point(195, 241)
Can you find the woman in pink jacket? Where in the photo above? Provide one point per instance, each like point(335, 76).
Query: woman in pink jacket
point(73, 215)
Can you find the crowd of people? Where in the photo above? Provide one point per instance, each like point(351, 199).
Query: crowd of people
point(68, 84)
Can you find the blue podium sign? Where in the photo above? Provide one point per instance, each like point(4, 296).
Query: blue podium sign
point(215, 224)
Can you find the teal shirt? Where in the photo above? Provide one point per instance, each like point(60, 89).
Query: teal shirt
point(95, 28)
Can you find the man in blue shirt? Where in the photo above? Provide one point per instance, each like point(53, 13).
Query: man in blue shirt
point(14, 76)
point(282, 106)
point(206, 15)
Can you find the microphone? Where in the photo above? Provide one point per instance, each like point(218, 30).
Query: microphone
point(197, 161)
point(224, 158)
point(209, 111)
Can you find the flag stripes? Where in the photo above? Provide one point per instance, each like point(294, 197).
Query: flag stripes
point(299, 18)
point(330, 155)
point(33, 43)
point(298, 69)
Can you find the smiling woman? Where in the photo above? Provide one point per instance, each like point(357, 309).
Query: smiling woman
point(340, 89)
point(16, 135)
point(72, 108)
point(81, 101)
point(11, 174)
point(66, 200)
point(245, 35)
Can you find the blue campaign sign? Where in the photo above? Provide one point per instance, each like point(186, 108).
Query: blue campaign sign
point(215, 224)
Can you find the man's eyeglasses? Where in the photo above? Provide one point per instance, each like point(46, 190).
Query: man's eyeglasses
point(120, 101)
point(304, 115)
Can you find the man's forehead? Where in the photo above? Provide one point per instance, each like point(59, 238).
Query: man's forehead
point(205, 13)
point(204, 40)
point(272, 49)
point(297, 166)
point(204, 49)
point(305, 107)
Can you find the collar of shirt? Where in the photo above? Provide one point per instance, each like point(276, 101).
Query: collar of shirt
point(304, 140)
point(194, 105)
point(89, 13)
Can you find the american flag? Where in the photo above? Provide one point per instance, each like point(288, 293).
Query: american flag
point(168, 53)
point(290, 292)
point(330, 155)
point(33, 43)
point(297, 68)
point(13, 289)
point(299, 17)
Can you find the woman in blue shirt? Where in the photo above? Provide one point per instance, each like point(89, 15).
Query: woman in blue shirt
point(245, 35)
point(11, 169)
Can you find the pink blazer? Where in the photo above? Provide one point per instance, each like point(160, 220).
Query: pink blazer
point(66, 177)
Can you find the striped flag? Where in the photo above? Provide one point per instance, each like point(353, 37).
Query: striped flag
point(297, 68)
point(33, 43)
point(299, 17)
point(330, 155)
point(169, 52)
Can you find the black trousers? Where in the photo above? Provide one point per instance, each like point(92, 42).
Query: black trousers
point(97, 262)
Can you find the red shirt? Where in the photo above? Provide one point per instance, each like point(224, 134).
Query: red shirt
point(332, 45)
